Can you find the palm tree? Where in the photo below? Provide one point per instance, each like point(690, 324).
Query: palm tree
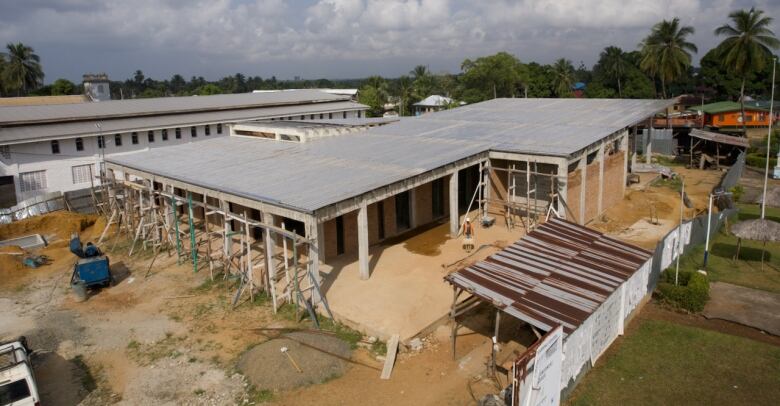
point(666, 52)
point(614, 63)
point(747, 45)
point(405, 86)
point(22, 71)
point(563, 77)
point(419, 71)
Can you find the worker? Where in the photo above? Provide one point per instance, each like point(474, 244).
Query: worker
point(468, 235)
point(91, 250)
point(468, 228)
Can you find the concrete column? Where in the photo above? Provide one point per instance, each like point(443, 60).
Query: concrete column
point(270, 246)
point(583, 165)
point(413, 208)
point(454, 217)
point(362, 220)
point(624, 149)
point(649, 146)
point(227, 247)
point(315, 242)
point(600, 157)
point(563, 177)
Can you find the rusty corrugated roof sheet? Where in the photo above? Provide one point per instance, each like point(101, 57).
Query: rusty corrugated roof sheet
point(559, 273)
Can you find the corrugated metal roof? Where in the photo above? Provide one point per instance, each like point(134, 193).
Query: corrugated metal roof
point(43, 132)
point(741, 142)
point(319, 173)
point(156, 106)
point(560, 273)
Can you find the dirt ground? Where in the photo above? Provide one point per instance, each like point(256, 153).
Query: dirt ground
point(172, 337)
point(650, 210)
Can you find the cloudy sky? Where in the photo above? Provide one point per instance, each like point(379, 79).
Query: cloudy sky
point(335, 38)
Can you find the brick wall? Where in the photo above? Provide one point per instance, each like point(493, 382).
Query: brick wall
point(614, 188)
point(573, 184)
point(592, 190)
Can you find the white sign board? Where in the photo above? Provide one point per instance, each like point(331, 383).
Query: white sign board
point(547, 370)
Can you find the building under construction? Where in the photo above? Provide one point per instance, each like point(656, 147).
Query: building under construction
point(312, 194)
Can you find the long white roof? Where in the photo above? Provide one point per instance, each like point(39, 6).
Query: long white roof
point(313, 175)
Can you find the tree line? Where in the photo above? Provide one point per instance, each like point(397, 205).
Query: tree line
point(660, 67)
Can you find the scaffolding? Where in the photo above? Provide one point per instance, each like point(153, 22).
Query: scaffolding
point(525, 205)
point(162, 218)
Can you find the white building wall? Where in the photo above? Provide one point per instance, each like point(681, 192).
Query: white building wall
point(37, 156)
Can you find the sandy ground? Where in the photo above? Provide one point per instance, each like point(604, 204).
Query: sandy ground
point(173, 338)
point(406, 292)
point(648, 212)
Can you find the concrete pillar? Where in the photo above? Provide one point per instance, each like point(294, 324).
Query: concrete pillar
point(270, 246)
point(362, 220)
point(454, 217)
point(583, 166)
point(600, 157)
point(315, 244)
point(563, 177)
point(413, 208)
point(649, 146)
point(624, 149)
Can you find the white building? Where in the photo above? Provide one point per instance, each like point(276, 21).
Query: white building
point(49, 148)
point(96, 87)
point(432, 104)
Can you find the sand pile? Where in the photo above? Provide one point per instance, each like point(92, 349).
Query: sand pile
point(62, 223)
point(266, 367)
point(11, 258)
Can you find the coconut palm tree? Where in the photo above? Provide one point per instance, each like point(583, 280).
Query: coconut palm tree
point(747, 46)
point(22, 71)
point(405, 87)
point(614, 63)
point(419, 71)
point(563, 77)
point(666, 53)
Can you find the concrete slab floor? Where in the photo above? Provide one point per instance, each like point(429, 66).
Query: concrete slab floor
point(406, 292)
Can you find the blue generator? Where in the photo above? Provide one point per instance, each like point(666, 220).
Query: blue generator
point(92, 268)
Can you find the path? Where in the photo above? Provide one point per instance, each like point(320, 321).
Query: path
point(750, 307)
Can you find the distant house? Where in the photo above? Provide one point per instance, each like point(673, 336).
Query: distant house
point(432, 104)
point(578, 90)
point(727, 114)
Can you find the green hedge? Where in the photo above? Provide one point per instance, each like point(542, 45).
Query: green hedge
point(758, 160)
point(690, 294)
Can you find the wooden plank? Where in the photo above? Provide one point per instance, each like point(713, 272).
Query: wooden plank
point(392, 348)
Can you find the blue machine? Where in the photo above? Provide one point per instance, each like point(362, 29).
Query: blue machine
point(92, 267)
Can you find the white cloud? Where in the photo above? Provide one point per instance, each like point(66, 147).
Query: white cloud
point(225, 36)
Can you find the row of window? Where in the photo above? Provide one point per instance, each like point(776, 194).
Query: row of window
point(150, 135)
point(322, 116)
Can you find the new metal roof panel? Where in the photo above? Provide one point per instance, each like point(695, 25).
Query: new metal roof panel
point(560, 273)
point(156, 106)
point(316, 174)
point(46, 131)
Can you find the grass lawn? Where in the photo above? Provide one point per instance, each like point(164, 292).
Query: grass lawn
point(747, 270)
point(662, 363)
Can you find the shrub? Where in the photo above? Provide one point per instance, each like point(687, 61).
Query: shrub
point(758, 160)
point(737, 192)
point(691, 293)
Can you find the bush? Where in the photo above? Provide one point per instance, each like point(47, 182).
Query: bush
point(691, 293)
point(737, 192)
point(758, 160)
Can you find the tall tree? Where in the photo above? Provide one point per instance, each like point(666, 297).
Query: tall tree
point(62, 87)
point(666, 53)
point(614, 63)
point(747, 46)
point(405, 86)
point(22, 71)
point(563, 77)
point(488, 77)
point(422, 86)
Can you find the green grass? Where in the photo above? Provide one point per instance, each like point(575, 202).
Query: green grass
point(671, 183)
point(746, 271)
point(662, 363)
point(667, 161)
